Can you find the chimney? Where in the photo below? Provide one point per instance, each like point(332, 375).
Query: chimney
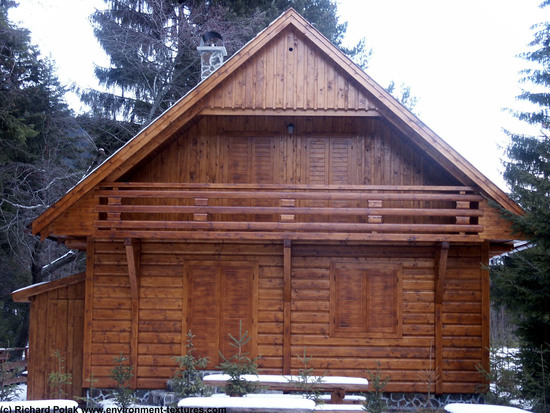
point(212, 52)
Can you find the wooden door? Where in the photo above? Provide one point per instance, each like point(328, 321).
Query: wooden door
point(219, 295)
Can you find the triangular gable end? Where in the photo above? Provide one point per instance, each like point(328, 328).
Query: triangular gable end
point(290, 73)
point(352, 92)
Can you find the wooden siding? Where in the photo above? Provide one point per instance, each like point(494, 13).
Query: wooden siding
point(56, 324)
point(327, 151)
point(290, 73)
point(322, 150)
point(496, 226)
point(161, 310)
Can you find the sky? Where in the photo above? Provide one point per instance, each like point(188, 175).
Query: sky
point(458, 58)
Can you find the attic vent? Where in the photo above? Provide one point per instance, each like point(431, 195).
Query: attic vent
point(212, 51)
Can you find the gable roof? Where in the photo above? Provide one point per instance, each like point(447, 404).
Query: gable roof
point(204, 98)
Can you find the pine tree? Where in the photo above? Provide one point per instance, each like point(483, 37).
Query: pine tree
point(152, 49)
point(41, 156)
point(521, 280)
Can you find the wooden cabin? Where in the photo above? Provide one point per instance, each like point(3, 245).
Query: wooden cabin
point(291, 192)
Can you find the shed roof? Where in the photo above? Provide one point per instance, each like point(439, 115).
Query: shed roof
point(199, 102)
point(24, 294)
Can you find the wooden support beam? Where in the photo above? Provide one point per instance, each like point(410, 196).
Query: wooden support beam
point(287, 299)
point(133, 253)
point(442, 253)
point(78, 243)
point(441, 256)
point(485, 307)
point(133, 257)
point(88, 312)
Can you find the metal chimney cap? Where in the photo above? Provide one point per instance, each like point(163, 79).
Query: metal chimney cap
point(211, 39)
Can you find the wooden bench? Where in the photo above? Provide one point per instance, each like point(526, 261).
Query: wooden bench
point(336, 385)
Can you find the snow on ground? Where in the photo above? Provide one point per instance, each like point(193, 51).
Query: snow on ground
point(275, 403)
point(481, 408)
point(59, 405)
point(340, 407)
point(21, 392)
point(274, 378)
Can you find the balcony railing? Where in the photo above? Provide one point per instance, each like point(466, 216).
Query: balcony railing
point(300, 212)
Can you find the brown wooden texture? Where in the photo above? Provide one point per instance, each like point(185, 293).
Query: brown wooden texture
point(287, 305)
point(365, 300)
point(56, 324)
point(289, 73)
point(163, 301)
point(221, 301)
point(236, 149)
point(343, 152)
point(441, 256)
point(274, 79)
point(353, 152)
point(182, 286)
point(496, 226)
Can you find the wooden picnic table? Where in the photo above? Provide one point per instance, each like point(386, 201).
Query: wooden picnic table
point(336, 385)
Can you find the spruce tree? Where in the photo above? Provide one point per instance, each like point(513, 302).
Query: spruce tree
point(152, 49)
point(521, 280)
point(42, 154)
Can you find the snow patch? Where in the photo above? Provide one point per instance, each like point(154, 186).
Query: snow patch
point(59, 405)
point(274, 378)
point(249, 402)
point(481, 408)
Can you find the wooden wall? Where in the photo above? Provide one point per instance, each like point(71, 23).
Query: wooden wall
point(163, 318)
point(322, 150)
point(290, 73)
point(56, 324)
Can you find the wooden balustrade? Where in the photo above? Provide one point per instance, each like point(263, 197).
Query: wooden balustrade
point(232, 211)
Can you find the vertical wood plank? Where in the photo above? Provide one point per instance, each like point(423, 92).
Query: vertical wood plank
point(71, 350)
point(287, 298)
point(51, 342)
point(254, 296)
point(88, 311)
point(485, 307)
point(441, 255)
point(279, 77)
point(269, 99)
point(78, 322)
point(311, 81)
point(133, 253)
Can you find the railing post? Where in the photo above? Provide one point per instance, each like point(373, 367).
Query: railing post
point(374, 219)
point(114, 216)
point(200, 216)
point(462, 220)
point(288, 203)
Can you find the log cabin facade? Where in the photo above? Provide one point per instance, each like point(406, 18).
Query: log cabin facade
point(291, 192)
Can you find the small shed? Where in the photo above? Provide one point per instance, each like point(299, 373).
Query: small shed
point(288, 191)
point(56, 325)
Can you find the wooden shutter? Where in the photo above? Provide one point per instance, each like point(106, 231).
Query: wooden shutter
point(317, 161)
point(330, 161)
point(383, 308)
point(340, 165)
point(217, 296)
point(252, 160)
point(349, 304)
point(236, 305)
point(203, 291)
point(365, 300)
